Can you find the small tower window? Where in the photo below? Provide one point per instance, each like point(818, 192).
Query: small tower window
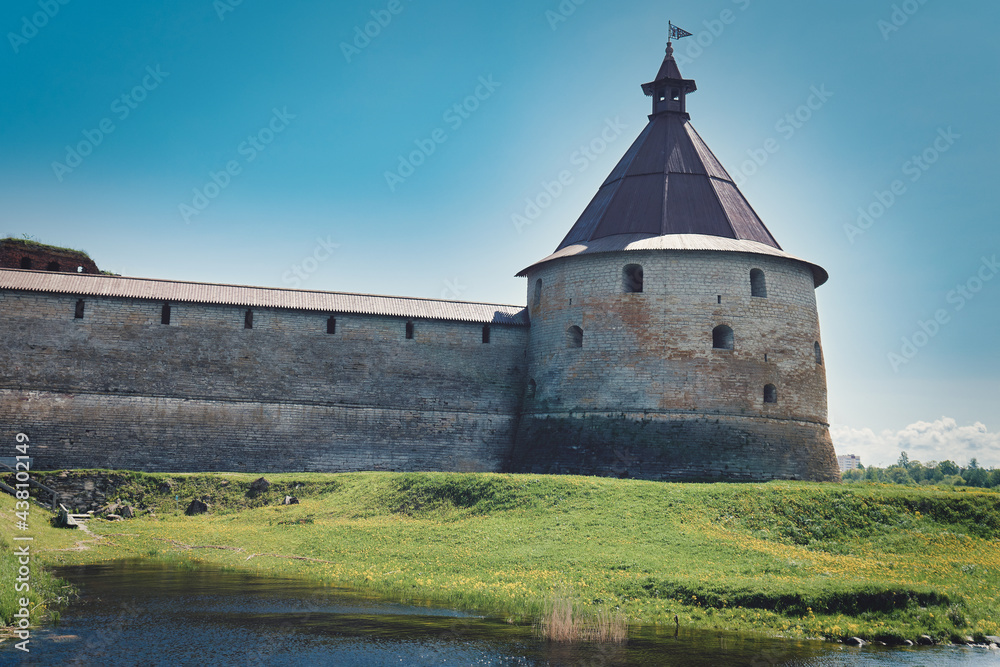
point(248, 320)
point(25, 262)
point(80, 305)
point(632, 279)
point(722, 338)
point(409, 331)
point(486, 334)
point(818, 351)
point(165, 314)
point(53, 266)
point(537, 300)
point(331, 325)
point(532, 389)
point(574, 337)
point(770, 393)
point(758, 284)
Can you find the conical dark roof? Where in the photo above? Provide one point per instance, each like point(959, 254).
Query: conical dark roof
point(669, 192)
point(669, 182)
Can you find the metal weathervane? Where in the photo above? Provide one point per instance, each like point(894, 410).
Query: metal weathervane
point(678, 33)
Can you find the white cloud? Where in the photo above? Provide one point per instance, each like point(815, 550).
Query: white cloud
point(939, 440)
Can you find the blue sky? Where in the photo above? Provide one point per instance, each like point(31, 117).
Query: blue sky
point(278, 138)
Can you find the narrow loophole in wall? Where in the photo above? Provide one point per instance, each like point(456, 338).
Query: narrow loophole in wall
point(632, 282)
point(486, 334)
point(165, 314)
point(574, 337)
point(532, 390)
point(770, 393)
point(818, 351)
point(331, 325)
point(248, 320)
point(409, 331)
point(722, 338)
point(53, 266)
point(758, 284)
point(80, 305)
point(720, 299)
point(25, 262)
point(536, 301)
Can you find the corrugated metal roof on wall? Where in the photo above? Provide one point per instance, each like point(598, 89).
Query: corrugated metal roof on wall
point(260, 297)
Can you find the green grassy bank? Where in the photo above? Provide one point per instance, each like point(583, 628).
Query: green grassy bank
point(790, 559)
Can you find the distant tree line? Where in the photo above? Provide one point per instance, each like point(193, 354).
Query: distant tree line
point(906, 471)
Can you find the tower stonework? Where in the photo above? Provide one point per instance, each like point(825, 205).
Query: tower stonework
point(668, 337)
point(671, 337)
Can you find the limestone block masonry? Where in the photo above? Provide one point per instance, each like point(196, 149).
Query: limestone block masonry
point(118, 389)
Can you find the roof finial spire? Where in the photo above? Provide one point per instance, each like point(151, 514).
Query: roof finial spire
point(670, 88)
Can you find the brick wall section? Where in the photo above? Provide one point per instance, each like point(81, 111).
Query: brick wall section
point(13, 252)
point(119, 389)
point(691, 411)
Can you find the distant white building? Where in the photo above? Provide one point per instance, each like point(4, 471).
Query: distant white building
point(849, 462)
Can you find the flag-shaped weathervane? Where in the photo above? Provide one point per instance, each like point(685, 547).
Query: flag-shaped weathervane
point(678, 33)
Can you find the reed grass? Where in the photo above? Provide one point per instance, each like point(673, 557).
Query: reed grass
point(562, 622)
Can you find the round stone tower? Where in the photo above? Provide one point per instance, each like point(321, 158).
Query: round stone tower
point(671, 336)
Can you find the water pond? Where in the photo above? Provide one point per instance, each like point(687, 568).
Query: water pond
point(142, 613)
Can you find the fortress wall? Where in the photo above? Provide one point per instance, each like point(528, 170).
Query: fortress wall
point(119, 389)
point(689, 408)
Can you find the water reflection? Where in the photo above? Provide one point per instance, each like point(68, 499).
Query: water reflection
point(139, 613)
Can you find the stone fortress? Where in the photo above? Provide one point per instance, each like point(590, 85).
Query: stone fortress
point(668, 337)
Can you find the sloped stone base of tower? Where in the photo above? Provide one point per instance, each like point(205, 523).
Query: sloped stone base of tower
point(675, 447)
